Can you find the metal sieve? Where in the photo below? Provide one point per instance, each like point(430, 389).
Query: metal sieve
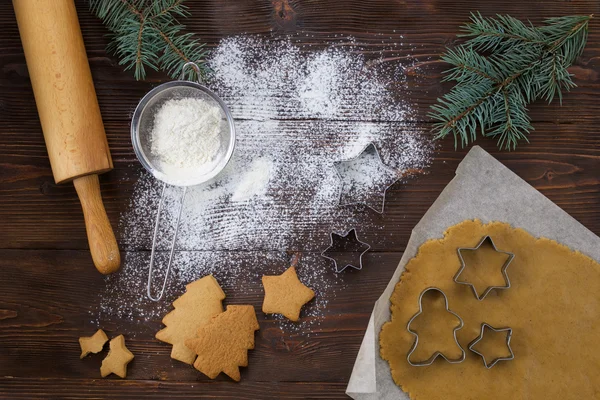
point(142, 124)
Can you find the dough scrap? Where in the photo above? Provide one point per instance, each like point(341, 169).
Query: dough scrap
point(117, 359)
point(92, 344)
point(553, 307)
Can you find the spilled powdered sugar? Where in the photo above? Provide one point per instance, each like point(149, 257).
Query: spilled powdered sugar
point(297, 110)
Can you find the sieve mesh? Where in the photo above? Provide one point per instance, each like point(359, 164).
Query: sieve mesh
point(143, 123)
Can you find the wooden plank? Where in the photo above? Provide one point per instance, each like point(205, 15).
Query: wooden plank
point(561, 161)
point(31, 388)
point(50, 299)
point(376, 28)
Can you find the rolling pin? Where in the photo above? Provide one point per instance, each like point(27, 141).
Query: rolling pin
point(69, 113)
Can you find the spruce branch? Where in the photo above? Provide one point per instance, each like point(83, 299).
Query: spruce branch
point(503, 66)
point(147, 34)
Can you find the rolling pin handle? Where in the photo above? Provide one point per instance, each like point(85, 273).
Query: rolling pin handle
point(102, 241)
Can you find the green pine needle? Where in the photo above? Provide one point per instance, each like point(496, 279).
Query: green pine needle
point(146, 34)
point(503, 66)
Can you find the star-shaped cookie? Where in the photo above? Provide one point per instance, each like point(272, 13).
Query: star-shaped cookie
point(285, 294)
point(117, 359)
point(92, 344)
point(365, 179)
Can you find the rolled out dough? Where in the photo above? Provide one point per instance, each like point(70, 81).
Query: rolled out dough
point(553, 307)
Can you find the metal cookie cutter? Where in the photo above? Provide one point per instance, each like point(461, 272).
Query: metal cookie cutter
point(141, 129)
point(504, 267)
point(416, 335)
point(369, 151)
point(341, 241)
point(495, 360)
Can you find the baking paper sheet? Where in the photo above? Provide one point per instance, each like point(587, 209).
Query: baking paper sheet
point(483, 188)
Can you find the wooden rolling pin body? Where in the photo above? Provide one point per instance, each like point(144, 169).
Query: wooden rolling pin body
point(69, 112)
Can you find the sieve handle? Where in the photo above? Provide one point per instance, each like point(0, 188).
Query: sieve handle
point(151, 268)
point(192, 65)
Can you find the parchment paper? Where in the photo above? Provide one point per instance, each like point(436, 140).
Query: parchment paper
point(483, 188)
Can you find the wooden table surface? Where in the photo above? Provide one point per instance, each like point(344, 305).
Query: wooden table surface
point(48, 285)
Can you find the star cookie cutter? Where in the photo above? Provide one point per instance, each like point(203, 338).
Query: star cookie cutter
point(480, 337)
point(368, 149)
point(349, 237)
point(503, 270)
point(435, 355)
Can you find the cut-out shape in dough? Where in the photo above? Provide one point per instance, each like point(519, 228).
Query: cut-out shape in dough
point(420, 315)
point(486, 242)
point(488, 328)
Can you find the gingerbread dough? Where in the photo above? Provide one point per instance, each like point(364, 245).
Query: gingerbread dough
point(553, 307)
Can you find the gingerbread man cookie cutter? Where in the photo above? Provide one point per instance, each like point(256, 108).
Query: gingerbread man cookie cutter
point(438, 353)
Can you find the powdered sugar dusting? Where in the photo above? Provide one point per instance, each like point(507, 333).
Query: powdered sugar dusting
point(297, 111)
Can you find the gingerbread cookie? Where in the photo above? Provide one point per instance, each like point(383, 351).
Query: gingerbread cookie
point(222, 344)
point(201, 301)
point(92, 344)
point(117, 359)
point(285, 294)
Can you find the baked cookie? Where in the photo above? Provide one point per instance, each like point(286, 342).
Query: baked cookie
point(222, 344)
point(92, 344)
point(117, 359)
point(285, 294)
point(201, 301)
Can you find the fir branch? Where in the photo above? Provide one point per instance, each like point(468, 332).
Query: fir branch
point(147, 34)
point(503, 66)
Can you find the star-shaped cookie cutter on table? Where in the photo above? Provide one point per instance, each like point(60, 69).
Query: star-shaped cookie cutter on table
point(503, 269)
point(480, 337)
point(349, 237)
point(370, 150)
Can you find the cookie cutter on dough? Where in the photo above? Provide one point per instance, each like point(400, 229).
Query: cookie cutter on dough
point(348, 237)
point(503, 269)
point(370, 147)
point(435, 355)
point(480, 337)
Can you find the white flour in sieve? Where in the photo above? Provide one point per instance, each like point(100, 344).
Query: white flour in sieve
point(297, 110)
point(186, 137)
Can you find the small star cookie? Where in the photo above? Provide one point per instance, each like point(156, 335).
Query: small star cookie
point(92, 344)
point(285, 294)
point(117, 359)
point(222, 344)
point(201, 301)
